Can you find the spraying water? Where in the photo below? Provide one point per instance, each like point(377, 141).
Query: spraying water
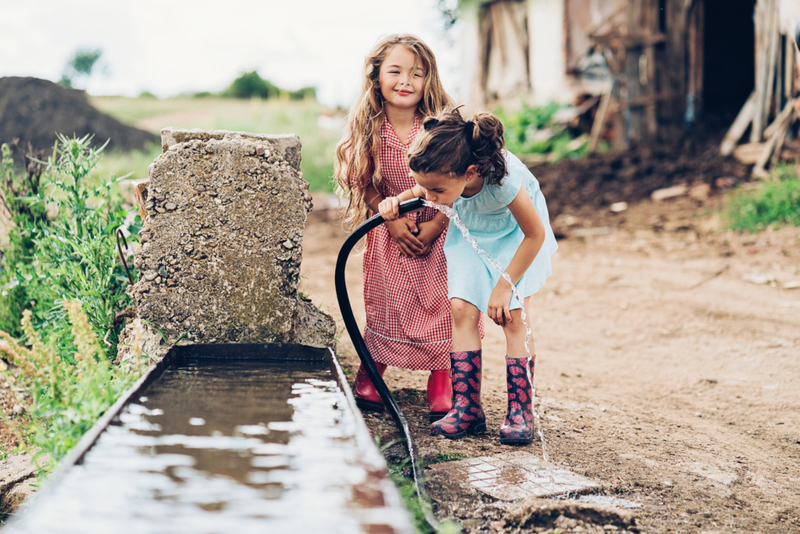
point(453, 216)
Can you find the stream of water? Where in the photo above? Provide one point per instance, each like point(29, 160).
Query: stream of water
point(453, 216)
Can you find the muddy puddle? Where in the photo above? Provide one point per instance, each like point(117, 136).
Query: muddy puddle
point(212, 447)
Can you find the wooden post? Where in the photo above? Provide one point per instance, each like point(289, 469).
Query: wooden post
point(599, 120)
point(739, 126)
point(758, 112)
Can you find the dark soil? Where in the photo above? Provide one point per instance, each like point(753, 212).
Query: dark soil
point(628, 176)
point(34, 110)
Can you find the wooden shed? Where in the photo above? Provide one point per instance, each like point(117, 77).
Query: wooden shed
point(654, 66)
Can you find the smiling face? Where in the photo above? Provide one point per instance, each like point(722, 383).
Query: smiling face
point(443, 188)
point(401, 84)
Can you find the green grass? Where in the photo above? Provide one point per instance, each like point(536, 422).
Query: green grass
point(258, 116)
point(775, 204)
point(448, 456)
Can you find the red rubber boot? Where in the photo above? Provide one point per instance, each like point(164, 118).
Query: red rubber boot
point(440, 394)
point(367, 397)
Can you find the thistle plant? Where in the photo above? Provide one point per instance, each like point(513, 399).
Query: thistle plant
point(75, 255)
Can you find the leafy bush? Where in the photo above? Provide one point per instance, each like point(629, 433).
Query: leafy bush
point(776, 203)
point(65, 398)
point(304, 93)
point(531, 130)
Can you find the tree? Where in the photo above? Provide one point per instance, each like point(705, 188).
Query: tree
point(80, 66)
point(251, 84)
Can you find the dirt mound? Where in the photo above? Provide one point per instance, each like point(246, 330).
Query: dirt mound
point(33, 110)
point(602, 179)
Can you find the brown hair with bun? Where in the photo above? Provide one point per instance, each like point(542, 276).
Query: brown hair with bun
point(449, 144)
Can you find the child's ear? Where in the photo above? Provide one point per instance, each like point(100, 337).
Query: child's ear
point(472, 173)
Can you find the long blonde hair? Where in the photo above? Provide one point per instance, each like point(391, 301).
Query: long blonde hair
point(357, 153)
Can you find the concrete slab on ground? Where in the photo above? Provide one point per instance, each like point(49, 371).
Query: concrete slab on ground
point(515, 476)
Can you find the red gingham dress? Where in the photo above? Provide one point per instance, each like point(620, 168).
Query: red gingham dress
point(408, 312)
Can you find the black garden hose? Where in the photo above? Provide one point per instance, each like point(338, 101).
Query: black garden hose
point(363, 353)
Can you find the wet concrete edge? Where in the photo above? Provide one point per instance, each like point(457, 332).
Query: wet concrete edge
point(376, 463)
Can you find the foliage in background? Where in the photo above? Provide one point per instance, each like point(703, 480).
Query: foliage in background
point(80, 66)
point(250, 85)
point(532, 130)
point(776, 203)
point(67, 394)
point(449, 13)
point(70, 255)
point(319, 128)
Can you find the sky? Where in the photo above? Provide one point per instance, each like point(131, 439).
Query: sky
point(172, 46)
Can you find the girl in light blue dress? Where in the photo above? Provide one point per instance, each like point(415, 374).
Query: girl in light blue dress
point(464, 164)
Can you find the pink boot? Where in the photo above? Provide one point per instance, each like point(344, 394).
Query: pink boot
point(466, 416)
point(440, 394)
point(367, 397)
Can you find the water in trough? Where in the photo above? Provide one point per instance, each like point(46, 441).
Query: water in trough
point(221, 446)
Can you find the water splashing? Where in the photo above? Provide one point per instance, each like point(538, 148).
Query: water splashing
point(453, 216)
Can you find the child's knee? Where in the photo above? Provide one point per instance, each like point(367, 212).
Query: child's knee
point(515, 327)
point(464, 313)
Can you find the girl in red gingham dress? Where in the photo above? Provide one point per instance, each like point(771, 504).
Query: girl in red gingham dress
point(405, 274)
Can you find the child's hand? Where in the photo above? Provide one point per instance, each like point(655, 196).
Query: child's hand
point(404, 234)
point(389, 208)
point(499, 302)
point(428, 233)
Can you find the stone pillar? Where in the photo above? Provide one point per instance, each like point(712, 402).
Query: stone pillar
point(222, 241)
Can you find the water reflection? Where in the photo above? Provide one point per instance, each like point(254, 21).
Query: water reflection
point(222, 447)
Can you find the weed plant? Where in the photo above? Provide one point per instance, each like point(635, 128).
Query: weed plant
point(776, 203)
point(67, 394)
point(70, 254)
point(18, 190)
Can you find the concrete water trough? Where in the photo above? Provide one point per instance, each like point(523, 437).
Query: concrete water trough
point(225, 438)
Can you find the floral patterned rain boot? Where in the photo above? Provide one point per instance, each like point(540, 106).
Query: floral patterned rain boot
point(367, 397)
point(518, 426)
point(466, 416)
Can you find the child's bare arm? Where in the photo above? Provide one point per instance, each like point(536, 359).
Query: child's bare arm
point(524, 211)
point(404, 231)
point(390, 207)
point(372, 198)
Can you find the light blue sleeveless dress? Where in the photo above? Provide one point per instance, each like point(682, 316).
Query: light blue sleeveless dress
point(470, 276)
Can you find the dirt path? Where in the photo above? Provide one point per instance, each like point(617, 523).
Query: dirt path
point(663, 373)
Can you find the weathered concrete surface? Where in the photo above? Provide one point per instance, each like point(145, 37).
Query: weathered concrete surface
point(17, 476)
point(139, 341)
point(222, 243)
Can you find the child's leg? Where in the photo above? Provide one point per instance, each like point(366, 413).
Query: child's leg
point(518, 426)
point(466, 416)
point(466, 337)
point(515, 334)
